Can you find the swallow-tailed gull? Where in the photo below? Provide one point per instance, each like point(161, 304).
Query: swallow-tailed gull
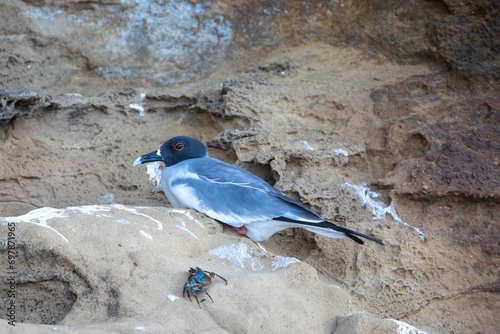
point(234, 196)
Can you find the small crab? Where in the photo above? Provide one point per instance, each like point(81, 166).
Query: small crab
point(199, 279)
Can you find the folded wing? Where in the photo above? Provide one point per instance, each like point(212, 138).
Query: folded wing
point(237, 197)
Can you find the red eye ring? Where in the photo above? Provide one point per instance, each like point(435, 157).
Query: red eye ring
point(178, 146)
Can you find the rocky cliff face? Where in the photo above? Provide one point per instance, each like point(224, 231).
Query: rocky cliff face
point(382, 116)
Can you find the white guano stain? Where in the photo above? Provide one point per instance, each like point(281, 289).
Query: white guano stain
point(146, 235)
point(187, 230)
point(173, 297)
point(40, 217)
point(89, 209)
point(154, 172)
point(138, 107)
point(283, 262)
point(339, 151)
point(378, 208)
point(135, 212)
point(237, 255)
point(405, 328)
point(186, 213)
point(306, 144)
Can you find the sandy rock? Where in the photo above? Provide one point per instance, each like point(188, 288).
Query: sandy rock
point(382, 116)
point(360, 323)
point(363, 323)
point(457, 155)
point(22, 103)
point(120, 268)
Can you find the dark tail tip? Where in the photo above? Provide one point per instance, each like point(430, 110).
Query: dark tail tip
point(361, 242)
point(354, 236)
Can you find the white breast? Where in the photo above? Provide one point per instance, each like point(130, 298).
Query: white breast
point(180, 195)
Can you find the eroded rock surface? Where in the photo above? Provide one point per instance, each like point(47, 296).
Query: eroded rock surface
point(382, 116)
point(22, 102)
point(120, 268)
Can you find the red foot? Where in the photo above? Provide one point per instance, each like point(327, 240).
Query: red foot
point(240, 230)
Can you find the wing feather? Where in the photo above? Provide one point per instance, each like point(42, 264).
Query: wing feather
point(235, 196)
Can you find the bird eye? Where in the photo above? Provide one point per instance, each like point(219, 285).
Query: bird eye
point(178, 146)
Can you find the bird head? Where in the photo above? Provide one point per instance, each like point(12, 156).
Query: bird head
point(175, 150)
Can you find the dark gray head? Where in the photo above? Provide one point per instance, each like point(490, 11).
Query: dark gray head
point(175, 150)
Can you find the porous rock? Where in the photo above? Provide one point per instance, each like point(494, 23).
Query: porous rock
point(122, 269)
point(382, 116)
point(22, 102)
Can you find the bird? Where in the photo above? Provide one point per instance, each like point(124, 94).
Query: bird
point(234, 196)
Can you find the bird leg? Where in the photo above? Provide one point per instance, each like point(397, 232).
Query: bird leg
point(240, 230)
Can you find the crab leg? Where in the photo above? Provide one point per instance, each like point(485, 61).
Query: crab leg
point(186, 290)
point(194, 294)
point(207, 294)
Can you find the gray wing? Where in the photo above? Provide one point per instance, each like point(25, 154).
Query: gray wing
point(235, 196)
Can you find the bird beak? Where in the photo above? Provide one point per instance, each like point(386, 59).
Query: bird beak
point(150, 157)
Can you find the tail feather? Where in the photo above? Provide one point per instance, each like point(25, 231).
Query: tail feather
point(355, 238)
point(353, 234)
point(327, 225)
